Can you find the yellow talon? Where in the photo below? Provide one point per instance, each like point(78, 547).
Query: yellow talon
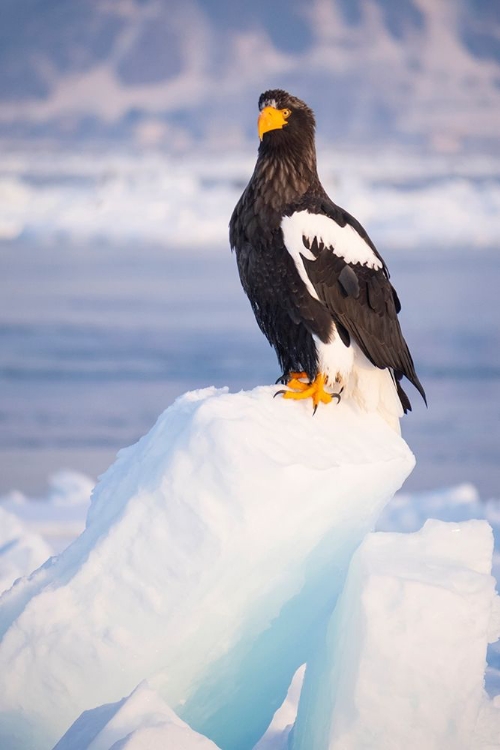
point(296, 379)
point(314, 390)
point(298, 385)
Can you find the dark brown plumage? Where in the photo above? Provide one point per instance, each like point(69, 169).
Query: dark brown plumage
point(314, 279)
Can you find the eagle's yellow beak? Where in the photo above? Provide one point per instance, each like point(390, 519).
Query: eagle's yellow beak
point(271, 119)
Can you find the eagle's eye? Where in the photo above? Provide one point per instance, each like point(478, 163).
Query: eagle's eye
point(286, 112)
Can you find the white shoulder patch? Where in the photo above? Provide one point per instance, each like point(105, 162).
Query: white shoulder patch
point(344, 242)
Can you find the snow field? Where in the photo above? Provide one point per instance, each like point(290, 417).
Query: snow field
point(402, 664)
point(214, 552)
point(58, 517)
point(407, 200)
point(21, 550)
point(403, 661)
point(141, 721)
point(399, 663)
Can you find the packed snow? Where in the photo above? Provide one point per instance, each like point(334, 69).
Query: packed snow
point(225, 536)
point(212, 575)
point(408, 640)
point(142, 721)
point(462, 503)
point(21, 550)
point(59, 516)
point(278, 731)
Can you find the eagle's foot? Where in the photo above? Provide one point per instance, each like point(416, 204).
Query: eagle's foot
point(314, 390)
point(285, 378)
point(296, 381)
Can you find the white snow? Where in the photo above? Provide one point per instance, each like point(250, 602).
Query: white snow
point(21, 550)
point(214, 552)
point(214, 565)
point(408, 512)
point(487, 734)
point(405, 653)
point(59, 515)
point(405, 199)
point(143, 721)
point(276, 736)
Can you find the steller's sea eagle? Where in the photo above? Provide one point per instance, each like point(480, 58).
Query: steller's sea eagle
point(318, 287)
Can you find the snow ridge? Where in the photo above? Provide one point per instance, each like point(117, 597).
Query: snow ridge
point(215, 546)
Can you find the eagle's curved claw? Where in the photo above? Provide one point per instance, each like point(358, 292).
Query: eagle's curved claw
point(314, 390)
point(338, 395)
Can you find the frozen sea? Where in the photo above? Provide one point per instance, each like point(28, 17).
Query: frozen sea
point(118, 292)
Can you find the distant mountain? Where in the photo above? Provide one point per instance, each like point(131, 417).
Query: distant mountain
point(173, 73)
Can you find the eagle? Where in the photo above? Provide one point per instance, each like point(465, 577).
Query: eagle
point(319, 289)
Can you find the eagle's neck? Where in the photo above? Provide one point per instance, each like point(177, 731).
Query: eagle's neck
point(283, 175)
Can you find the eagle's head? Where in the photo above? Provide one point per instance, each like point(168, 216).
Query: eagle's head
point(284, 119)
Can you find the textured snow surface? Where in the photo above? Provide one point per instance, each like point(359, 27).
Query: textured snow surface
point(58, 516)
point(21, 550)
point(214, 547)
point(143, 721)
point(404, 657)
point(276, 736)
point(408, 512)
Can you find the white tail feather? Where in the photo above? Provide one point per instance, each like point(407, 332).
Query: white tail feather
point(372, 388)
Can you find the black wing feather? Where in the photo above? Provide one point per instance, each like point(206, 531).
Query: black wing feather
point(364, 304)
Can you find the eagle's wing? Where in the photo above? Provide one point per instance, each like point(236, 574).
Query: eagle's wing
point(342, 269)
